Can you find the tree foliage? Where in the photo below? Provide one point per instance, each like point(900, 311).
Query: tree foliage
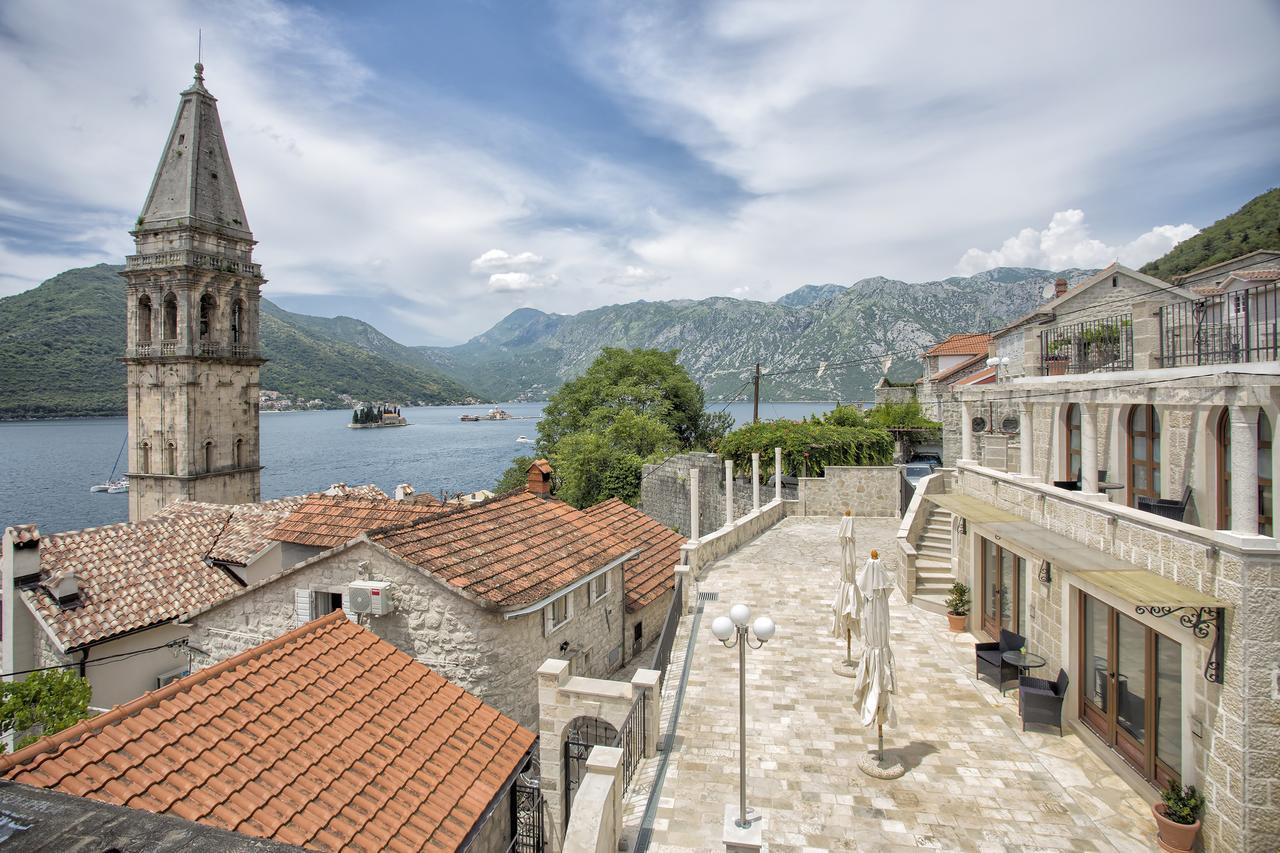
point(1254, 226)
point(516, 476)
point(44, 703)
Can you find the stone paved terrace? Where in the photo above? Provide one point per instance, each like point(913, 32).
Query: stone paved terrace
point(975, 781)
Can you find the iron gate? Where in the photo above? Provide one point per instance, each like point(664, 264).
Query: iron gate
point(526, 818)
point(583, 733)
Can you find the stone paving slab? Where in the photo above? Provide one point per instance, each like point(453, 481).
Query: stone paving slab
point(974, 780)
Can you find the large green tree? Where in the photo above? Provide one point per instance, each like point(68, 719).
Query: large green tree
point(44, 703)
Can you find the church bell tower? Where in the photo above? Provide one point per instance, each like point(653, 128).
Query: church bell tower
point(192, 349)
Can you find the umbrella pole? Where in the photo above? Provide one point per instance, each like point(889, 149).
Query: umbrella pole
point(848, 647)
point(880, 736)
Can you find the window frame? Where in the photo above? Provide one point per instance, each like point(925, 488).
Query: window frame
point(549, 623)
point(592, 596)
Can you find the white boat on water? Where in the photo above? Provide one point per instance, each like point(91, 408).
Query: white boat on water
point(100, 487)
point(524, 439)
point(118, 486)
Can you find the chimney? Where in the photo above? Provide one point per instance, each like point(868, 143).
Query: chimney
point(65, 588)
point(21, 553)
point(1059, 287)
point(19, 566)
point(539, 482)
point(403, 491)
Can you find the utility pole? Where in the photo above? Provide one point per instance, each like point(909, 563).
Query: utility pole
point(755, 407)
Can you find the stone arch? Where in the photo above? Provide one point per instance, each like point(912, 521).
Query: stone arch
point(239, 452)
point(171, 458)
point(577, 738)
point(144, 319)
point(170, 317)
point(237, 321)
point(207, 455)
point(208, 311)
point(144, 457)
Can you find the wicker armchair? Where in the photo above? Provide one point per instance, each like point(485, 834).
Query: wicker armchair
point(990, 660)
point(1177, 510)
point(1041, 700)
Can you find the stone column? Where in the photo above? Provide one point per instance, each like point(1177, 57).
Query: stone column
point(648, 680)
point(966, 433)
point(1026, 464)
point(755, 482)
point(552, 675)
point(1244, 470)
point(728, 492)
point(694, 506)
point(1089, 448)
point(777, 473)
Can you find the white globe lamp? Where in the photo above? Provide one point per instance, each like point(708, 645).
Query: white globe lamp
point(763, 628)
point(740, 614)
point(722, 628)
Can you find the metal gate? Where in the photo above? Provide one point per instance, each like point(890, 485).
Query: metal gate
point(526, 818)
point(583, 733)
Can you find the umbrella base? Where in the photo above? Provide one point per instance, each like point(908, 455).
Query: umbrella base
point(848, 668)
point(886, 768)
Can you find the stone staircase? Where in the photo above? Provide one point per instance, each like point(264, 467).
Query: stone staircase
point(933, 561)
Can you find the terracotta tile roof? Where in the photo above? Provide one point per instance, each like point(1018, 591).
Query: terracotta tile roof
point(541, 465)
point(964, 344)
point(946, 375)
point(982, 377)
point(1257, 275)
point(650, 573)
point(24, 533)
point(327, 522)
point(247, 531)
point(132, 575)
point(327, 737)
point(512, 550)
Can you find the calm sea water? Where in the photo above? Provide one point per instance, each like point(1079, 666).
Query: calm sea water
point(48, 466)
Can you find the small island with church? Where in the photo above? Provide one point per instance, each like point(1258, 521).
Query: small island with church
point(371, 416)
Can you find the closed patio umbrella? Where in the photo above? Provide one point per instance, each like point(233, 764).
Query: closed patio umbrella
point(846, 607)
point(876, 682)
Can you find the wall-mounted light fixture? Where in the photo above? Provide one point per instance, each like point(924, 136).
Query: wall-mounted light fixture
point(1044, 572)
point(964, 527)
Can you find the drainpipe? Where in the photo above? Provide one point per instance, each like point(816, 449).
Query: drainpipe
point(84, 656)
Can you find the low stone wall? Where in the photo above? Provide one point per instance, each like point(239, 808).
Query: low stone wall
point(729, 538)
point(596, 823)
point(868, 490)
point(664, 491)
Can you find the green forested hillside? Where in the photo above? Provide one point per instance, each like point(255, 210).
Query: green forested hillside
point(59, 345)
point(1252, 227)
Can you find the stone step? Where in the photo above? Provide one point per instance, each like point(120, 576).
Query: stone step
point(934, 566)
point(930, 601)
point(942, 540)
point(934, 554)
point(938, 527)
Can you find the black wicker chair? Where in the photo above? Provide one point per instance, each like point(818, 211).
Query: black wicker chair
point(990, 660)
point(1074, 485)
point(1177, 510)
point(1041, 700)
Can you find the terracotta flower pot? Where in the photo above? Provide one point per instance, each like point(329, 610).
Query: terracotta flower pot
point(957, 622)
point(1175, 837)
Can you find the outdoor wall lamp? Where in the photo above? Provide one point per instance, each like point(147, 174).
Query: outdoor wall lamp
point(733, 630)
point(1044, 572)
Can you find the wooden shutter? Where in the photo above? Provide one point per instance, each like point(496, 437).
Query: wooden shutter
point(302, 606)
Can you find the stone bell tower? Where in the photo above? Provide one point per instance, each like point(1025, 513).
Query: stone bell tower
point(192, 350)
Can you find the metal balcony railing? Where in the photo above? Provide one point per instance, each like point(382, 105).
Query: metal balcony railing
point(1090, 345)
point(1239, 326)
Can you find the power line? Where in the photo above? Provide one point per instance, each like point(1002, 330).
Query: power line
point(172, 644)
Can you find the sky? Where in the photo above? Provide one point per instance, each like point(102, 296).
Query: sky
point(431, 165)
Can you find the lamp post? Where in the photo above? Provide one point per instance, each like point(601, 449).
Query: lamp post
point(733, 630)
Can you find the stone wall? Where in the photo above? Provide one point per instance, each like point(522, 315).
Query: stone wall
point(1240, 718)
point(473, 646)
point(651, 617)
point(869, 490)
point(664, 490)
point(729, 538)
point(890, 393)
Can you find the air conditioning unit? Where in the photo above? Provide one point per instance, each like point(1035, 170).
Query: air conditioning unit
point(372, 597)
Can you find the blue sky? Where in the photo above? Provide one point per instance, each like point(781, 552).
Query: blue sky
point(431, 166)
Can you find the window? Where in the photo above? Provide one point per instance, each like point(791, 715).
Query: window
point(323, 603)
point(172, 675)
point(208, 456)
point(637, 638)
point(207, 306)
point(144, 457)
point(237, 320)
point(144, 319)
point(170, 459)
point(171, 318)
point(1144, 453)
point(1071, 443)
point(1264, 475)
point(599, 587)
point(239, 452)
point(557, 613)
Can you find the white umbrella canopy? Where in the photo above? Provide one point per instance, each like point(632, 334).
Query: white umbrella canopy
point(846, 607)
point(876, 683)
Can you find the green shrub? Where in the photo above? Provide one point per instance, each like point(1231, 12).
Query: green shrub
point(1182, 805)
point(958, 602)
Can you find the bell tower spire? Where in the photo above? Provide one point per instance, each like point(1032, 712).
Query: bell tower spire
point(192, 351)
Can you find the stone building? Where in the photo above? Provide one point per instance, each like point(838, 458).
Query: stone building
point(1135, 546)
point(192, 351)
point(483, 593)
point(957, 358)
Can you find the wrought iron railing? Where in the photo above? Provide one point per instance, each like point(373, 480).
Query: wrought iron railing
point(668, 636)
point(1088, 346)
point(1227, 328)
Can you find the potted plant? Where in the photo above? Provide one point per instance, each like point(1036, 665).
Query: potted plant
point(958, 607)
point(1057, 360)
point(1178, 817)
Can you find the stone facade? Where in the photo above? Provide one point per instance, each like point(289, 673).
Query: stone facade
point(471, 644)
point(890, 392)
point(192, 315)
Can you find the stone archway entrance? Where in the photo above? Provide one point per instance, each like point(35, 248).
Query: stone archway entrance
point(580, 736)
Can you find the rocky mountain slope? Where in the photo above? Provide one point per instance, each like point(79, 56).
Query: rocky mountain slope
point(849, 330)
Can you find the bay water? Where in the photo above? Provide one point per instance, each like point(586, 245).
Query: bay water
point(48, 466)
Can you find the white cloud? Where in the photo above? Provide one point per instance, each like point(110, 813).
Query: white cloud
point(514, 282)
point(634, 277)
point(1066, 243)
point(498, 260)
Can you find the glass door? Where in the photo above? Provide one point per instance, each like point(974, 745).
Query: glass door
point(1002, 576)
point(990, 588)
point(1131, 689)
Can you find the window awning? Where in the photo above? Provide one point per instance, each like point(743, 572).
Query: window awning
point(1149, 593)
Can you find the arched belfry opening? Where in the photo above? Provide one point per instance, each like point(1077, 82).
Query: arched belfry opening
point(208, 306)
point(170, 317)
point(237, 321)
point(144, 319)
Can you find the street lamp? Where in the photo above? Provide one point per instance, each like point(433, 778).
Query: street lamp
point(735, 626)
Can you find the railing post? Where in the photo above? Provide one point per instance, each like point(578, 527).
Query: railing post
point(646, 685)
point(755, 482)
point(777, 473)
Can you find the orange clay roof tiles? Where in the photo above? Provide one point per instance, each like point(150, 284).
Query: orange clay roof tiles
point(327, 522)
point(511, 550)
point(651, 573)
point(966, 344)
point(327, 738)
point(1257, 275)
